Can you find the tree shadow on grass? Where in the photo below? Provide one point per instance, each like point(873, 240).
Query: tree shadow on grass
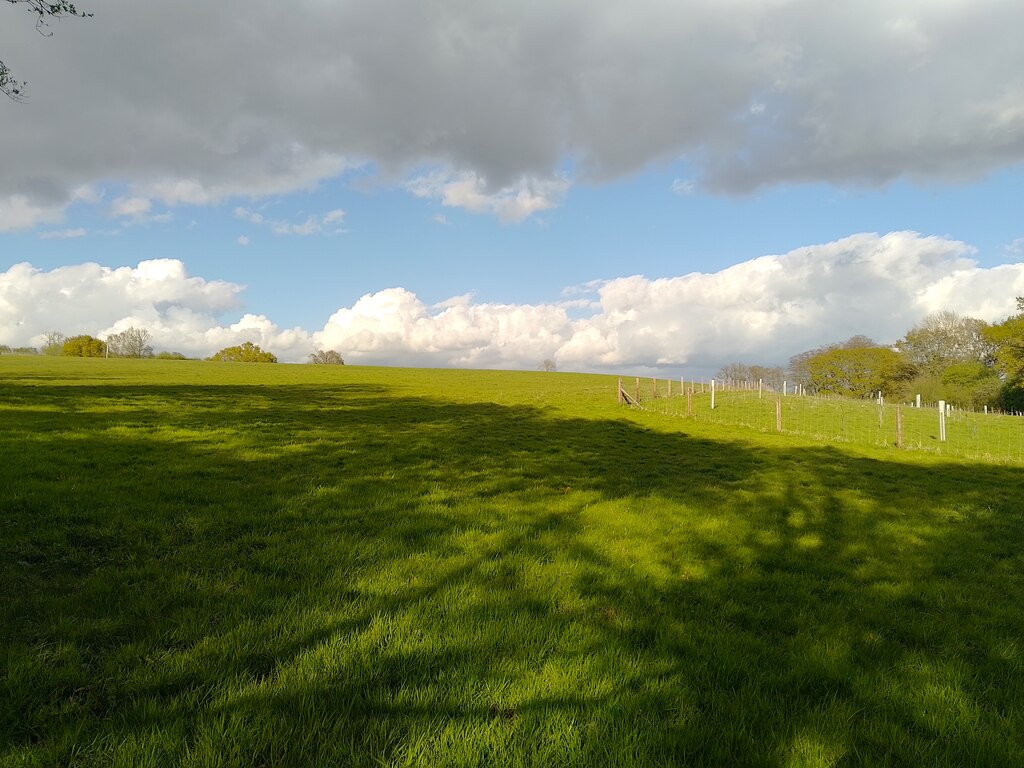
point(287, 575)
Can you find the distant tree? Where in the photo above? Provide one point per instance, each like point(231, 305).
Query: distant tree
point(170, 356)
point(548, 364)
point(945, 338)
point(971, 385)
point(326, 357)
point(24, 351)
point(1007, 339)
point(44, 10)
point(132, 342)
point(733, 372)
point(53, 342)
point(83, 346)
point(736, 372)
point(245, 353)
point(859, 372)
point(797, 372)
point(5, 350)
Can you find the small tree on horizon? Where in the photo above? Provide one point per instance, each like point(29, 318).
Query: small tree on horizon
point(326, 357)
point(131, 342)
point(243, 353)
point(83, 346)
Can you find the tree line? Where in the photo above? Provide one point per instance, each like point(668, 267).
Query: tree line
point(135, 342)
point(962, 360)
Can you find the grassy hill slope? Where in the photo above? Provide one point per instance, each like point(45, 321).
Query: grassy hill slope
point(217, 564)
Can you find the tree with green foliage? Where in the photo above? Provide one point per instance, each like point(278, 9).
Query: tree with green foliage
point(859, 372)
point(244, 353)
point(84, 346)
point(1008, 339)
point(797, 371)
point(44, 11)
point(326, 357)
point(170, 356)
point(971, 385)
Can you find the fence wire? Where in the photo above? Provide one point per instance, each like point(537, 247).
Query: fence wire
point(968, 434)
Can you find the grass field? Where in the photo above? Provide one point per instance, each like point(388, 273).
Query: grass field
point(972, 435)
point(213, 564)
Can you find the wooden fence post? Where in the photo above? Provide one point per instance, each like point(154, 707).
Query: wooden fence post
point(618, 392)
point(654, 389)
point(638, 390)
point(942, 421)
point(899, 427)
point(778, 414)
point(712, 394)
point(689, 403)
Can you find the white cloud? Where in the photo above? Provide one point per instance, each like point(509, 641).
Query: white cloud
point(18, 212)
point(245, 214)
point(683, 187)
point(327, 223)
point(761, 310)
point(63, 234)
point(511, 204)
point(242, 240)
point(130, 206)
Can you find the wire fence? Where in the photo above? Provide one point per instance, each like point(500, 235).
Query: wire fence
point(950, 431)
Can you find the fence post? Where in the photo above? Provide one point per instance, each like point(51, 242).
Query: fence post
point(778, 414)
point(638, 390)
point(918, 402)
point(899, 427)
point(618, 392)
point(712, 394)
point(784, 389)
point(654, 389)
point(760, 384)
point(942, 421)
point(689, 403)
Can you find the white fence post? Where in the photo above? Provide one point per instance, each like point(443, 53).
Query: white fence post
point(942, 421)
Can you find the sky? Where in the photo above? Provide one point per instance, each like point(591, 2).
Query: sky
point(649, 187)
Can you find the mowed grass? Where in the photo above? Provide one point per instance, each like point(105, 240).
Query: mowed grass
point(213, 564)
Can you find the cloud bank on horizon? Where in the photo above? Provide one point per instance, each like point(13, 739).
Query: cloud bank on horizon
point(500, 107)
point(761, 310)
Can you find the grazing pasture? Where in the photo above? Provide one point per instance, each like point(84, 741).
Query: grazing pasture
point(236, 564)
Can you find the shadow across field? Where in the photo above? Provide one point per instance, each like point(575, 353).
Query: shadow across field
point(286, 575)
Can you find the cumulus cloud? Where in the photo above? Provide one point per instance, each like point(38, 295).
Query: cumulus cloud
point(511, 204)
point(761, 310)
point(283, 96)
point(182, 312)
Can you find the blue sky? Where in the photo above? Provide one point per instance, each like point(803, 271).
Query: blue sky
point(530, 162)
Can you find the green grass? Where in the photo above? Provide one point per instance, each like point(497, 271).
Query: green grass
point(214, 564)
point(987, 437)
